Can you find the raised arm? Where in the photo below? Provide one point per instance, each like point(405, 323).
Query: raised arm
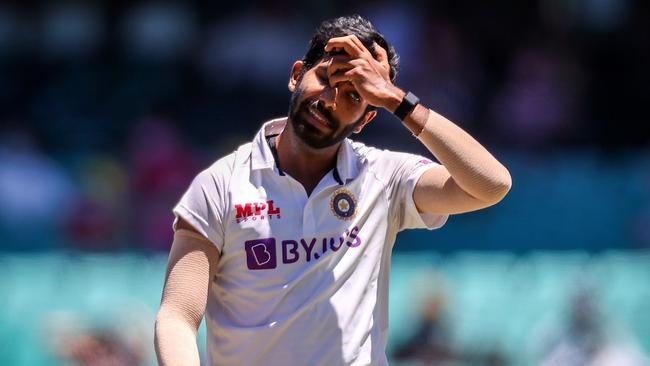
point(469, 178)
point(191, 265)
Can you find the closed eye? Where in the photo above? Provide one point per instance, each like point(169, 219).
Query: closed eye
point(354, 96)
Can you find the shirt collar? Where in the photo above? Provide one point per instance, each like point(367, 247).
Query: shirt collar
point(347, 161)
point(261, 155)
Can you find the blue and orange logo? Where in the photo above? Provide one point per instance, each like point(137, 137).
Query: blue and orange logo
point(343, 204)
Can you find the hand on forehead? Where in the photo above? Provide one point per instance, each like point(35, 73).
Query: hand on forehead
point(353, 62)
point(353, 47)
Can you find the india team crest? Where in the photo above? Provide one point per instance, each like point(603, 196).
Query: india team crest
point(343, 204)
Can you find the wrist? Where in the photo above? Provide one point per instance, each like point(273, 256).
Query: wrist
point(394, 99)
point(408, 104)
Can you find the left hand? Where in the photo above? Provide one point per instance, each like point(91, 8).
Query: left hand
point(369, 76)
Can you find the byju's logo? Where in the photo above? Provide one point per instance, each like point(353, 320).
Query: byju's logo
point(260, 253)
point(256, 210)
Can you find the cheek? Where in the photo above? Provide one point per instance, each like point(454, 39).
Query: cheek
point(350, 113)
point(346, 104)
point(306, 86)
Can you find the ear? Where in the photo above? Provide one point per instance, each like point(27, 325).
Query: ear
point(366, 119)
point(295, 73)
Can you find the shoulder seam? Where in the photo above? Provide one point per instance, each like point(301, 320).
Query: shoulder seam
point(372, 170)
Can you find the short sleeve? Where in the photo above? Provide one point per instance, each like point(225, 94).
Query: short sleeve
point(408, 169)
point(201, 206)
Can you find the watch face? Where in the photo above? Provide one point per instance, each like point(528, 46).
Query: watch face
point(411, 99)
point(408, 104)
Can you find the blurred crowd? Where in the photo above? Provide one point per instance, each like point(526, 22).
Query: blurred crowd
point(462, 309)
point(95, 200)
point(108, 109)
point(582, 334)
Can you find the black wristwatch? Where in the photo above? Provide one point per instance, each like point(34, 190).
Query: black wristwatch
point(407, 106)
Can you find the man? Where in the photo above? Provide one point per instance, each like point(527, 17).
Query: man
point(287, 241)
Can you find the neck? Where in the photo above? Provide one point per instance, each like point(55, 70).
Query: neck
point(302, 162)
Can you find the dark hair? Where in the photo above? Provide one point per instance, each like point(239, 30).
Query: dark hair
point(344, 26)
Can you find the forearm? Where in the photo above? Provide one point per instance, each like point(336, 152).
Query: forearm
point(191, 260)
point(175, 341)
point(471, 166)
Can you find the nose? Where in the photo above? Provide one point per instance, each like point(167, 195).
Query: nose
point(328, 97)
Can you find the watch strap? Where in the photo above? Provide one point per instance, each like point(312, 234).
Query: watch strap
point(406, 106)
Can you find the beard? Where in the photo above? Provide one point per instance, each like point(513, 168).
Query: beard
point(309, 134)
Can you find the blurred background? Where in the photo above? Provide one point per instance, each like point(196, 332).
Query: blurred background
point(109, 108)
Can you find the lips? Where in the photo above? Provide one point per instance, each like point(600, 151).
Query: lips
point(317, 119)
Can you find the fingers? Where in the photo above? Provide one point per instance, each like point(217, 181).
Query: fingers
point(382, 55)
point(339, 62)
point(343, 76)
point(356, 50)
point(339, 65)
point(350, 44)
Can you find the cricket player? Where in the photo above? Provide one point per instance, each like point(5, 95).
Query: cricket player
point(285, 244)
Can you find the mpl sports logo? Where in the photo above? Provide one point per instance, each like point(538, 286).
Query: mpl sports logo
point(263, 254)
point(256, 211)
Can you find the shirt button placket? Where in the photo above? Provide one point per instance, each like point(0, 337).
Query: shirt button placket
point(308, 222)
point(300, 200)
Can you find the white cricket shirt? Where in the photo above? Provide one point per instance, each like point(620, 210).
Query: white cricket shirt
point(302, 280)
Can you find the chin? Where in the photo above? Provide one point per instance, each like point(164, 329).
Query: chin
point(310, 135)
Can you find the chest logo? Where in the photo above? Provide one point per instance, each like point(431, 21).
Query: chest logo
point(343, 204)
point(256, 211)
